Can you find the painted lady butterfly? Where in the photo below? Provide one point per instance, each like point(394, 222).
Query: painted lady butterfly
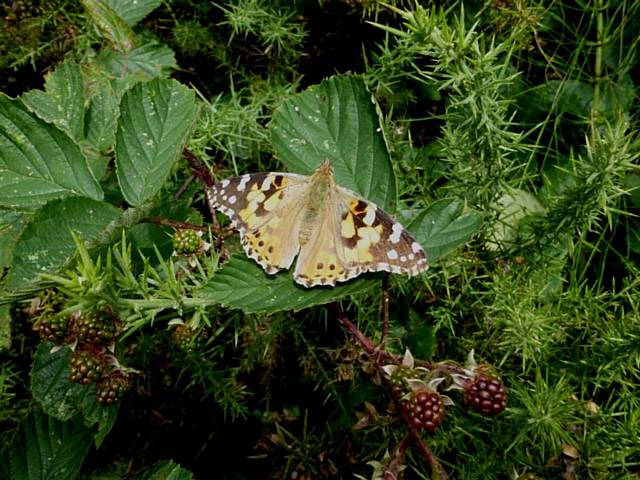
point(336, 234)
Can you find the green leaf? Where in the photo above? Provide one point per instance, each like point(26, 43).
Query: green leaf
point(62, 102)
point(46, 449)
point(38, 162)
point(420, 337)
point(242, 284)
point(166, 471)
point(112, 26)
point(155, 119)
point(96, 414)
point(513, 206)
point(337, 120)
point(102, 116)
point(11, 224)
point(46, 244)
point(63, 399)
point(133, 12)
point(50, 383)
point(444, 226)
point(138, 65)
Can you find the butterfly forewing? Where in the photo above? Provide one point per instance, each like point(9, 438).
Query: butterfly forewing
point(373, 241)
point(265, 209)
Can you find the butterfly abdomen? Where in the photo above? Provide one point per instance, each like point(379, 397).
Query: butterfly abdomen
point(320, 192)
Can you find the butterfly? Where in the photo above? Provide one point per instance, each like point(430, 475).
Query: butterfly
point(335, 233)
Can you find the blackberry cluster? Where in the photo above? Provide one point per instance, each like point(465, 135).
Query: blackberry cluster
point(85, 367)
point(96, 328)
point(109, 389)
point(486, 394)
point(52, 328)
point(186, 242)
point(425, 409)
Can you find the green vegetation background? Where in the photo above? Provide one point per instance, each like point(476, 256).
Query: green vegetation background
point(524, 114)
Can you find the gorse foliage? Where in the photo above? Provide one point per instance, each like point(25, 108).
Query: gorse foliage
point(503, 136)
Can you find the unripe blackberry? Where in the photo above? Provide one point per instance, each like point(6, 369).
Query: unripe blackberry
point(187, 241)
point(425, 409)
point(187, 338)
point(85, 368)
point(398, 379)
point(95, 327)
point(109, 389)
point(486, 394)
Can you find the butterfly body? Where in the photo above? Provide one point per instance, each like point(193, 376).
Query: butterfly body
point(335, 233)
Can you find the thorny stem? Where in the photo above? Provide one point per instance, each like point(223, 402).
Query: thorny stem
point(379, 356)
point(198, 168)
point(177, 225)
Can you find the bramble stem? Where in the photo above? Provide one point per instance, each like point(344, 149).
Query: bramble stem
point(379, 356)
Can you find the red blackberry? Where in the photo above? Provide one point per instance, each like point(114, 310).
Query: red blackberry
point(486, 394)
point(52, 328)
point(109, 389)
point(425, 409)
point(186, 242)
point(96, 327)
point(85, 368)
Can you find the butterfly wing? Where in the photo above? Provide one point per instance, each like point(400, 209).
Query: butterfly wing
point(319, 262)
point(353, 236)
point(372, 241)
point(265, 209)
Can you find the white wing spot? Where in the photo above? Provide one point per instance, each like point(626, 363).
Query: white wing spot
point(266, 184)
point(403, 258)
point(392, 254)
point(221, 192)
point(224, 183)
point(243, 182)
point(415, 246)
point(396, 231)
point(232, 199)
point(411, 256)
point(370, 216)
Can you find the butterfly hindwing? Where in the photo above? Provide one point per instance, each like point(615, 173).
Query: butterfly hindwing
point(374, 241)
point(264, 208)
point(319, 262)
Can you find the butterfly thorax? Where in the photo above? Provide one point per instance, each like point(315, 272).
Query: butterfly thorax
point(321, 186)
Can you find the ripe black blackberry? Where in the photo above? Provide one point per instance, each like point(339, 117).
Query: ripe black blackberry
point(109, 389)
point(85, 367)
point(425, 409)
point(486, 394)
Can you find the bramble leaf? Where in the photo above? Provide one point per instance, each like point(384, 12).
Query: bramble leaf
point(242, 284)
point(155, 119)
point(337, 120)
